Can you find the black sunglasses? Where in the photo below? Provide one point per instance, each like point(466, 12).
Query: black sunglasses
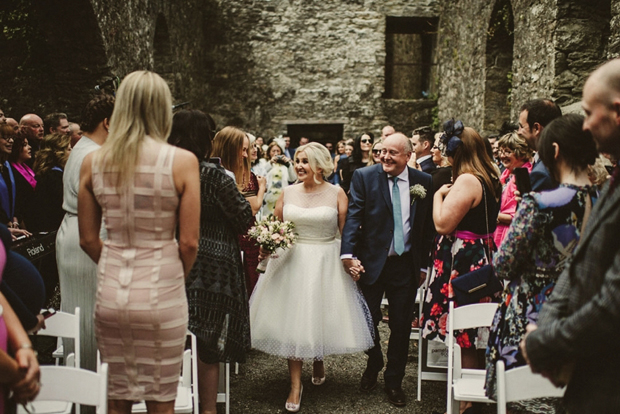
point(376, 151)
point(366, 140)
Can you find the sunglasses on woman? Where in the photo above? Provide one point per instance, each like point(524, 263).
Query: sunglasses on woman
point(376, 151)
point(365, 140)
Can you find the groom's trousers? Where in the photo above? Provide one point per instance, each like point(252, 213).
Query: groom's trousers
point(400, 287)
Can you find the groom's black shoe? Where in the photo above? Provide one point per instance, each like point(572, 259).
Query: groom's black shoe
point(369, 381)
point(396, 396)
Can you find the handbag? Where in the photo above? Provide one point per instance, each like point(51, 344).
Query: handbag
point(470, 287)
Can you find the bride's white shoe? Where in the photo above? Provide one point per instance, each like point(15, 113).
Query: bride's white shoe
point(292, 407)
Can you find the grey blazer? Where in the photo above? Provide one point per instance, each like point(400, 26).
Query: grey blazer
point(581, 320)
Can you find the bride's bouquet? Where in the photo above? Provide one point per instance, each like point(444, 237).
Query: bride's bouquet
point(270, 234)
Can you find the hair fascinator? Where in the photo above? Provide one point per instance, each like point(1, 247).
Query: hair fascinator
point(450, 139)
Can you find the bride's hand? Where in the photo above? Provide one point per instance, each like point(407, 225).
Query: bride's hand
point(263, 254)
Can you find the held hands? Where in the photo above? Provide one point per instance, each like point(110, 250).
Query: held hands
point(353, 267)
point(27, 388)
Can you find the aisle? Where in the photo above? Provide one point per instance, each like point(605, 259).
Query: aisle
point(262, 387)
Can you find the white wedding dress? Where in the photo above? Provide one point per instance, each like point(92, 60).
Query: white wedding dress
point(305, 306)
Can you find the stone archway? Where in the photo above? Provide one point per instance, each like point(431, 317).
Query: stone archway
point(498, 67)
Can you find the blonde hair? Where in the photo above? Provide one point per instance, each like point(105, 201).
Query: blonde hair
point(227, 145)
point(318, 158)
point(143, 108)
point(53, 152)
point(517, 145)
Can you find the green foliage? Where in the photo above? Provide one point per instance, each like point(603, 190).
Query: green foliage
point(436, 123)
point(509, 92)
point(501, 19)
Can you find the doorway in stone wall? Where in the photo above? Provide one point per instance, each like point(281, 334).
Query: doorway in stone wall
point(315, 132)
point(498, 65)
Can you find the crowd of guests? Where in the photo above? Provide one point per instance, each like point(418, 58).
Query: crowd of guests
point(152, 211)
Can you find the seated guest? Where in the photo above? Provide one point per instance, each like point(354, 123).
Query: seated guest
point(25, 183)
point(514, 153)
point(539, 244)
point(48, 167)
point(7, 183)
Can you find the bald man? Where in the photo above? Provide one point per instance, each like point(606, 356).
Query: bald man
point(385, 255)
point(31, 128)
point(578, 336)
point(13, 123)
point(387, 131)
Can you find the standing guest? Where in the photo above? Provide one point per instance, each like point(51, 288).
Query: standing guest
point(7, 183)
point(293, 306)
point(218, 305)
point(288, 151)
point(31, 128)
point(375, 152)
point(280, 173)
point(25, 182)
point(534, 116)
point(465, 216)
point(514, 153)
point(143, 188)
point(48, 195)
point(387, 131)
point(576, 342)
point(443, 173)
point(385, 242)
point(260, 166)
point(56, 123)
point(13, 123)
point(75, 132)
point(422, 141)
point(77, 273)
point(359, 158)
point(2, 117)
point(233, 147)
point(539, 243)
point(340, 153)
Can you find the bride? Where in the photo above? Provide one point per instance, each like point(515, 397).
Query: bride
point(305, 306)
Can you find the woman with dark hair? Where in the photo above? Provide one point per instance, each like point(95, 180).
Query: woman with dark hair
point(360, 157)
point(465, 216)
point(25, 182)
point(49, 166)
point(216, 291)
point(76, 271)
point(539, 244)
point(7, 183)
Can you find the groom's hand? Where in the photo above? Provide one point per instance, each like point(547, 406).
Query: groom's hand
point(353, 267)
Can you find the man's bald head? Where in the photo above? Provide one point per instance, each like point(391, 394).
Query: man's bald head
point(601, 103)
point(395, 153)
point(31, 125)
point(387, 131)
point(13, 123)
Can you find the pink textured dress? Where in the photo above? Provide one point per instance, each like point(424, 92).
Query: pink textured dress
point(141, 309)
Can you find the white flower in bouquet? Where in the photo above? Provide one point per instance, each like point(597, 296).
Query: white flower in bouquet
point(271, 234)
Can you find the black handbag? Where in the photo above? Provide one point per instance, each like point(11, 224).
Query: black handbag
point(470, 287)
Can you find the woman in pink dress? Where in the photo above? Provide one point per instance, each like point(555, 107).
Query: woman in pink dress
point(513, 153)
point(144, 189)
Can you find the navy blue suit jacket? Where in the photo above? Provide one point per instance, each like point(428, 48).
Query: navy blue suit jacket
point(368, 230)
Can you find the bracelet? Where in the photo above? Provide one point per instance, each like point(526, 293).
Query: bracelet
point(25, 345)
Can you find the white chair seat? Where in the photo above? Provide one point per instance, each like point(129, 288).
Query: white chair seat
point(470, 389)
point(183, 403)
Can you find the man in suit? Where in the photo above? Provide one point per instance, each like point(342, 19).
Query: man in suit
point(534, 116)
point(423, 140)
point(578, 333)
point(385, 242)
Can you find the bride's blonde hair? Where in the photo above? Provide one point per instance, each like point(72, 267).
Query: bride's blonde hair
point(143, 107)
point(318, 158)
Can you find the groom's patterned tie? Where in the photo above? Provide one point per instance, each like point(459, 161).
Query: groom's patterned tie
point(399, 239)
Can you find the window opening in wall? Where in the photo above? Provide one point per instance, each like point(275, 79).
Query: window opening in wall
point(498, 61)
point(162, 51)
point(409, 60)
point(315, 132)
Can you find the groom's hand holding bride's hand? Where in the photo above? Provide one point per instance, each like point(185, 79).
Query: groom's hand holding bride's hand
point(353, 267)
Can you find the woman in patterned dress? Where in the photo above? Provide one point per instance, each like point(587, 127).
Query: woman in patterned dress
point(144, 189)
point(465, 216)
point(539, 243)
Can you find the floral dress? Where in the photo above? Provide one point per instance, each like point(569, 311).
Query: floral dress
point(539, 243)
point(456, 254)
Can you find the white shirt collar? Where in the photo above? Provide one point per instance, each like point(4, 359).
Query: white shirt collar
point(404, 175)
point(424, 158)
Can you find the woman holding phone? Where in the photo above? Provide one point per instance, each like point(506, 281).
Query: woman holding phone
point(539, 243)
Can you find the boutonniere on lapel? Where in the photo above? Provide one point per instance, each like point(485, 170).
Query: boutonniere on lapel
point(417, 191)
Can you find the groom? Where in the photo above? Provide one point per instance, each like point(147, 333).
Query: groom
point(385, 243)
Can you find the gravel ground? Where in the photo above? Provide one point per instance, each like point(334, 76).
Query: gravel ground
point(262, 387)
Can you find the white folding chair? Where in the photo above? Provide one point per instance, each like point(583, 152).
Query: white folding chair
point(61, 385)
point(466, 384)
point(522, 384)
point(64, 325)
point(223, 389)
